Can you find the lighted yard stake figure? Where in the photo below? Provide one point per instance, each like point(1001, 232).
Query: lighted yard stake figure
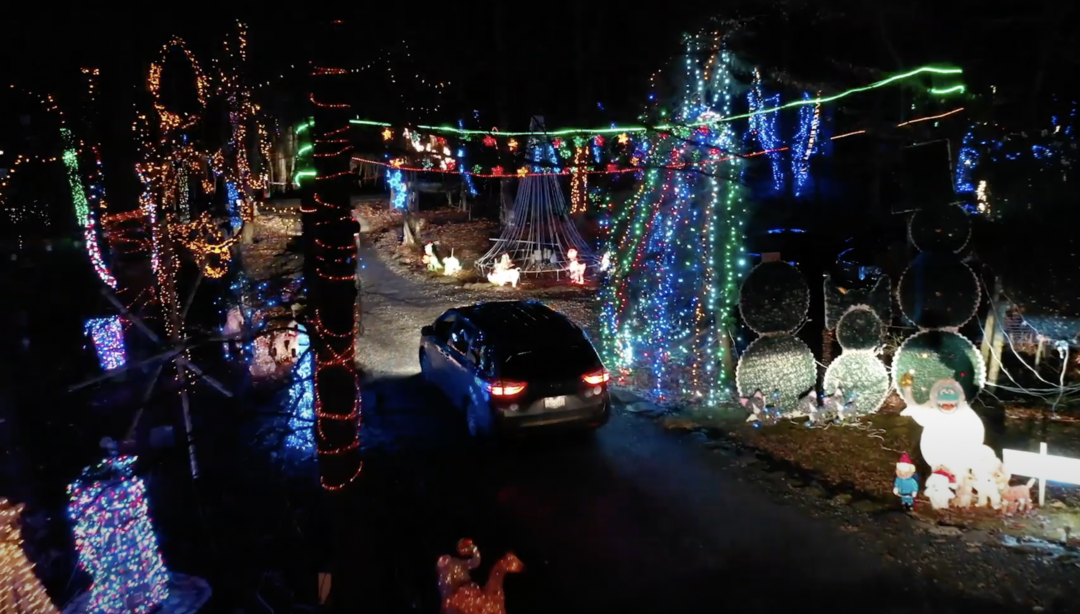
point(577, 268)
point(953, 433)
point(115, 539)
point(906, 485)
point(451, 265)
point(430, 259)
point(504, 272)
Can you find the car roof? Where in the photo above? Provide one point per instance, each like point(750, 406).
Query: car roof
point(520, 322)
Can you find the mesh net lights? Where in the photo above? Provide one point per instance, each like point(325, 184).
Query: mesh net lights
point(541, 232)
point(115, 539)
point(20, 590)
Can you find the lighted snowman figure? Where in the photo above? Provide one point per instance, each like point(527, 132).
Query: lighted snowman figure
point(953, 433)
point(577, 268)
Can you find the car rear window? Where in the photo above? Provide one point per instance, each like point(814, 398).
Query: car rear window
point(550, 362)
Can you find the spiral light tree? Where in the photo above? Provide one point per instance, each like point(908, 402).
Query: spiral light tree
point(773, 302)
point(20, 590)
point(858, 372)
point(939, 293)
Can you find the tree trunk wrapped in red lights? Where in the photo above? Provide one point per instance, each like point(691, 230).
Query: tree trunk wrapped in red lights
point(331, 270)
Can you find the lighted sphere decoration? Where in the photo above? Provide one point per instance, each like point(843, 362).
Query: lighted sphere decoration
point(860, 328)
point(938, 291)
point(839, 300)
point(779, 363)
point(858, 370)
point(773, 302)
point(115, 539)
point(934, 355)
point(945, 230)
point(774, 298)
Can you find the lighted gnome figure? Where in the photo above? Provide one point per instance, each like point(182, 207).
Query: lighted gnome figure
point(451, 265)
point(430, 260)
point(952, 433)
point(577, 268)
point(906, 484)
point(504, 272)
point(940, 488)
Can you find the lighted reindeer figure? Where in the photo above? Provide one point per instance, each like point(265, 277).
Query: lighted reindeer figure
point(577, 268)
point(504, 272)
point(460, 595)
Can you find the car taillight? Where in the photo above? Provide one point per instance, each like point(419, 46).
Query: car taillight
point(505, 389)
point(599, 377)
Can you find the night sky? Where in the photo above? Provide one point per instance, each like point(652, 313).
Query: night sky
point(559, 59)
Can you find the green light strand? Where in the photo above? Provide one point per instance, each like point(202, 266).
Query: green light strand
point(296, 179)
point(792, 104)
point(956, 89)
point(304, 149)
point(78, 194)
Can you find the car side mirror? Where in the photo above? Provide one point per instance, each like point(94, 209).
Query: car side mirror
point(427, 331)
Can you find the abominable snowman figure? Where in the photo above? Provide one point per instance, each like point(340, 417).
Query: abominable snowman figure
point(953, 433)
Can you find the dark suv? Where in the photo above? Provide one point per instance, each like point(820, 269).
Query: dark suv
point(515, 365)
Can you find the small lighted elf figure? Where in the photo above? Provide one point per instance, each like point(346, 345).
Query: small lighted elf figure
point(577, 268)
point(451, 265)
point(906, 485)
point(430, 259)
point(504, 272)
point(940, 488)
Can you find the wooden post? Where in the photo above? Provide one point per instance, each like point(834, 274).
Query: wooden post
point(1042, 478)
point(998, 332)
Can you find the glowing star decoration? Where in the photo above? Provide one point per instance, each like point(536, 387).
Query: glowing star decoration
point(489, 141)
point(624, 138)
point(387, 134)
point(108, 336)
point(523, 171)
point(512, 144)
point(504, 272)
point(953, 433)
point(576, 267)
point(429, 259)
point(115, 539)
point(498, 170)
point(20, 591)
point(451, 265)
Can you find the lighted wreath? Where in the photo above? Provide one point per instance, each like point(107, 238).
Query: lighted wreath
point(780, 363)
point(938, 291)
point(862, 373)
point(860, 329)
point(945, 230)
point(774, 298)
point(934, 355)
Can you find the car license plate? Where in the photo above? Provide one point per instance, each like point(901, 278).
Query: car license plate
point(554, 402)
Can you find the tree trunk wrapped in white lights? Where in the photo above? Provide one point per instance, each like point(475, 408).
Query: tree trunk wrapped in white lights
point(20, 591)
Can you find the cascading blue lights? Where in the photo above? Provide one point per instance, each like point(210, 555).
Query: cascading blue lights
point(233, 195)
point(397, 187)
point(966, 161)
point(805, 143)
point(466, 176)
point(762, 128)
point(302, 398)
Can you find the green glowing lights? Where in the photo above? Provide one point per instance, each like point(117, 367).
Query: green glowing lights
point(956, 89)
point(710, 122)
